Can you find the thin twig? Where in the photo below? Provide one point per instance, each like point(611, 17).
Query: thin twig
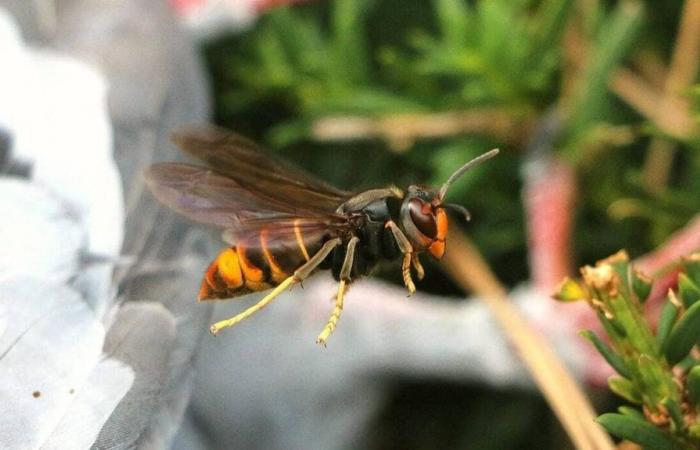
point(657, 165)
point(686, 54)
point(681, 74)
point(466, 265)
point(644, 94)
point(651, 66)
point(636, 91)
point(402, 130)
point(645, 98)
point(576, 50)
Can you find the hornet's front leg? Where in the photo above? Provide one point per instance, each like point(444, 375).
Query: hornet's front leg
point(407, 250)
point(420, 272)
point(345, 272)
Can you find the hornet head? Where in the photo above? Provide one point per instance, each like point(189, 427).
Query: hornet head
point(423, 212)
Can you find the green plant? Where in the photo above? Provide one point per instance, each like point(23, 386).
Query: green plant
point(658, 369)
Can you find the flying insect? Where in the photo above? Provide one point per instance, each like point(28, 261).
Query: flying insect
point(283, 224)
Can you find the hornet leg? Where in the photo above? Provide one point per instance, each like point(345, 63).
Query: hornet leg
point(420, 272)
point(407, 250)
point(299, 275)
point(345, 272)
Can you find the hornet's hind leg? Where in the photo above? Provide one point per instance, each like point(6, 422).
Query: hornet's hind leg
point(345, 272)
point(299, 275)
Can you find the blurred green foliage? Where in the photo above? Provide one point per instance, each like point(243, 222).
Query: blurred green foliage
point(367, 59)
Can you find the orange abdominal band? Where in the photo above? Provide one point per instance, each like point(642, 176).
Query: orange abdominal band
point(222, 276)
point(300, 240)
point(278, 275)
point(254, 276)
point(230, 268)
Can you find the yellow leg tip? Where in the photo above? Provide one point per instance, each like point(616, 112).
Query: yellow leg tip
point(220, 325)
point(335, 315)
point(322, 338)
point(420, 272)
point(410, 287)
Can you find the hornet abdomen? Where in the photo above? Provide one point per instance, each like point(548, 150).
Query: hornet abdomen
point(239, 270)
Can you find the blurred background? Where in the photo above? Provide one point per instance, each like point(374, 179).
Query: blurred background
point(594, 104)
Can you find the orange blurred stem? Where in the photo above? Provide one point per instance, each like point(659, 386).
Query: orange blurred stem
point(467, 267)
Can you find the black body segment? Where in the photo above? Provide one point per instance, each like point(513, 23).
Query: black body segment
point(243, 269)
point(376, 241)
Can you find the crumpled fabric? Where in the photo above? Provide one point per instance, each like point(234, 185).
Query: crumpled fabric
point(89, 221)
point(57, 387)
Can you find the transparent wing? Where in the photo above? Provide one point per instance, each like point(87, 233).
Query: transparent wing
point(242, 160)
point(207, 197)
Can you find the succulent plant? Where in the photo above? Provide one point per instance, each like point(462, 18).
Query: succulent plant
point(658, 367)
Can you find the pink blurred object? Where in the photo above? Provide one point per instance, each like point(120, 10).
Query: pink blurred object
point(549, 199)
point(208, 18)
point(666, 258)
point(549, 196)
point(662, 264)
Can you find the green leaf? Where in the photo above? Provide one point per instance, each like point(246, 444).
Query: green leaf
point(687, 290)
point(654, 379)
point(625, 389)
point(368, 101)
point(287, 133)
point(694, 431)
point(683, 336)
point(691, 264)
point(551, 22)
point(641, 284)
point(613, 327)
point(349, 50)
point(693, 384)
point(636, 430)
point(453, 17)
point(610, 356)
point(674, 410)
point(666, 321)
point(631, 412)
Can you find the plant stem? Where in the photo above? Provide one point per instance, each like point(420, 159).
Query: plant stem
point(681, 75)
point(465, 264)
point(402, 130)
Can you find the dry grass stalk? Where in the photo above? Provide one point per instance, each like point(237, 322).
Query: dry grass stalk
point(402, 130)
point(673, 110)
point(576, 49)
point(466, 265)
point(636, 91)
point(657, 95)
point(651, 67)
